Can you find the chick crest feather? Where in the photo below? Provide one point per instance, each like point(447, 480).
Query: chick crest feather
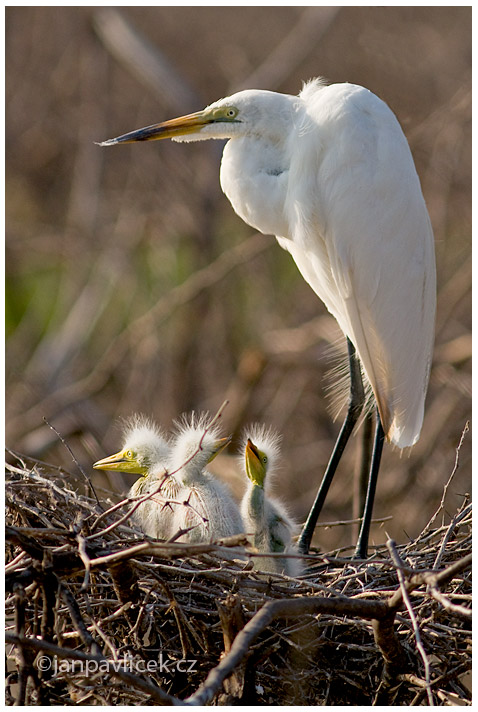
point(142, 434)
point(210, 508)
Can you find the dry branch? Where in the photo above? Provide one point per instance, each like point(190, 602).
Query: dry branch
point(274, 639)
point(144, 61)
point(140, 329)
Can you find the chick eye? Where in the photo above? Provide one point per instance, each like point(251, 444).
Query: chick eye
point(129, 454)
point(264, 459)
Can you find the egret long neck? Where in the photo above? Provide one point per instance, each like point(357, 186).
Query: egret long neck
point(254, 176)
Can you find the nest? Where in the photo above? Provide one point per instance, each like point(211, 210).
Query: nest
point(97, 614)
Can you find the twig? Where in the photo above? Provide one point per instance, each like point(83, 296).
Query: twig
point(113, 668)
point(90, 484)
point(448, 605)
point(97, 629)
point(24, 662)
point(77, 619)
point(344, 522)
point(453, 472)
point(430, 579)
point(156, 548)
point(207, 428)
point(156, 491)
point(86, 560)
point(391, 546)
point(451, 528)
point(264, 617)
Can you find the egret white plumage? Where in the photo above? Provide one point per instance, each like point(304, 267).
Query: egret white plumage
point(265, 517)
point(145, 451)
point(209, 511)
point(330, 174)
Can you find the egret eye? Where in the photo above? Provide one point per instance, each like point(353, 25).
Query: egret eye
point(264, 459)
point(129, 454)
point(231, 113)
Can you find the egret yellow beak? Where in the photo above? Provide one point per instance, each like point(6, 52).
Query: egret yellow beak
point(191, 123)
point(123, 461)
point(182, 126)
point(255, 464)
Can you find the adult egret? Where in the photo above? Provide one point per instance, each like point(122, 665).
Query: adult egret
point(263, 516)
point(145, 451)
point(330, 174)
point(208, 511)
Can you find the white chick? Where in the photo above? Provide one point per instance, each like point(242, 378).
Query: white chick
point(146, 451)
point(209, 511)
point(265, 517)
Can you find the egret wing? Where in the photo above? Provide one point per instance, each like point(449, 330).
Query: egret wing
point(361, 237)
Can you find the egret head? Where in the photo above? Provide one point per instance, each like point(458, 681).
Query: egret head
point(248, 112)
point(144, 448)
point(196, 443)
point(261, 451)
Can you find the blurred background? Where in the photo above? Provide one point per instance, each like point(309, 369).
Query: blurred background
point(132, 286)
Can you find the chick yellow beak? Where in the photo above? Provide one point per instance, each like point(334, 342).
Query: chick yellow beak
point(255, 466)
point(191, 123)
point(219, 445)
point(123, 461)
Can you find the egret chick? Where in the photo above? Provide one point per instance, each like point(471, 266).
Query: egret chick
point(145, 451)
point(209, 511)
point(263, 516)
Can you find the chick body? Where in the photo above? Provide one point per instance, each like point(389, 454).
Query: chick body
point(209, 512)
point(265, 517)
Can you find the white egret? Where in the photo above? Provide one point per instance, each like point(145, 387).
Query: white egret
point(330, 174)
point(264, 516)
point(145, 451)
point(209, 512)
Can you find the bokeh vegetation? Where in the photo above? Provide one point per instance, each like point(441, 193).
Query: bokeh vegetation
point(132, 286)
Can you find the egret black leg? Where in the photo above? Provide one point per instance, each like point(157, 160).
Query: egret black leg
point(362, 543)
point(357, 399)
point(361, 479)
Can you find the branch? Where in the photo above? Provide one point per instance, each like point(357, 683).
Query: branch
point(140, 328)
point(429, 578)
point(144, 60)
point(113, 668)
point(157, 490)
point(416, 629)
point(453, 472)
point(165, 550)
point(290, 608)
point(303, 38)
point(63, 441)
point(381, 613)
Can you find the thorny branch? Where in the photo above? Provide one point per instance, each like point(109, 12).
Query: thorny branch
point(135, 681)
point(441, 506)
point(391, 546)
point(63, 441)
point(155, 491)
point(378, 610)
point(53, 560)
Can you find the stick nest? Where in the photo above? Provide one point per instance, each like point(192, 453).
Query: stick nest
point(97, 614)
